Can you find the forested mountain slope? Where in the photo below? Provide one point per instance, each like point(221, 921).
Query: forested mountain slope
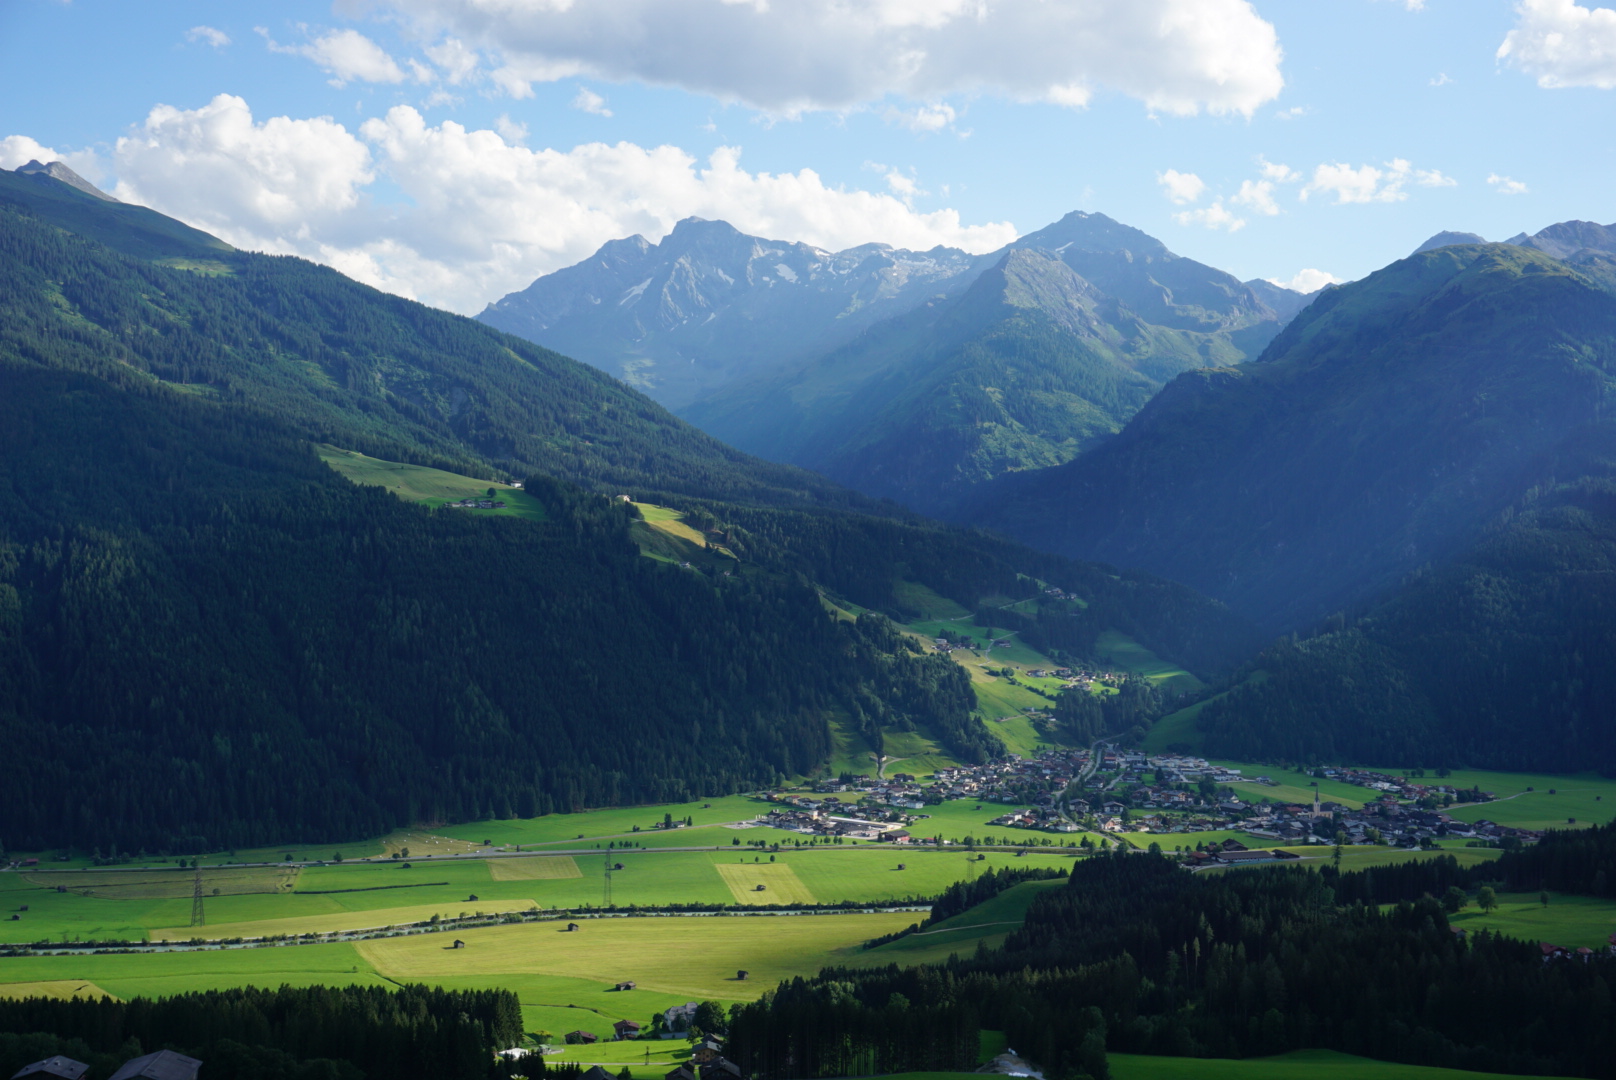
point(1055, 344)
point(344, 363)
point(1382, 431)
point(1505, 659)
point(208, 638)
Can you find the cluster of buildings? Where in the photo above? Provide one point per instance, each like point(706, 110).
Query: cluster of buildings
point(476, 504)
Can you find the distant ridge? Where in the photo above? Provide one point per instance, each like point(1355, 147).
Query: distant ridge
point(1567, 239)
point(58, 170)
point(1448, 239)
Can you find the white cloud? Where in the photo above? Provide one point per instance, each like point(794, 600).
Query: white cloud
point(1295, 112)
point(207, 35)
point(348, 55)
point(1365, 184)
point(1215, 216)
point(1441, 80)
point(924, 118)
point(1181, 188)
point(1562, 43)
point(1177, 56)
point(17, 150)
point(590, 102)
point(512, 131)
point(1307, 281)
point(1505, 186)
point(481, 216)
point(1433, 178)
point(458, 62)
point(1279, 174)
point(1257, 195)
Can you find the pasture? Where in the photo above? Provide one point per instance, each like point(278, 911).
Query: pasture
point(987, 923)
point(430, 487)
point(1567, 920)
point(367, 895)
point(1297, 1065)
point(1122, 651)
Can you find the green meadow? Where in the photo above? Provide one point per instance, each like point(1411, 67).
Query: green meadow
point(432, 487)
point(1565, 920)
point(367, 895)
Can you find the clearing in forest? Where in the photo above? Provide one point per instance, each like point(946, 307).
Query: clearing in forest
point(780, 883)
point(59, 989)
point(534, 868)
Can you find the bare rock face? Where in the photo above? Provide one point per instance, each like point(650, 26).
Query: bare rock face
point(58, 170)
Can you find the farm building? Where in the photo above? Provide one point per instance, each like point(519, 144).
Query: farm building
point(163, 1065)
point(626, 985)
point(577, 1038)
point(627, 1029)
point(681, 1073)
point(52, 1068)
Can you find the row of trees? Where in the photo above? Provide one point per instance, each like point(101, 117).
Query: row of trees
point(313, 1033)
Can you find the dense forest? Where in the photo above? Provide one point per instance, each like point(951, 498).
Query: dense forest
point(313, 1033)
point(1138, 956)
point(208, 639)
point(1504, 659)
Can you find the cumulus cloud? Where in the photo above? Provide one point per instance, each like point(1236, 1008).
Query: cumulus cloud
point(349, 56)
point(1365, 184)
point(1216, 216)
point(207, 35)
point(1433, 178)
point(1181, 188)
point(1176, 56)
point(1505, 186)
point(1561, 43)
point(18, 150)
point(590, 102)
point(1307, 281)
point(480, 216)
point(1257, 195)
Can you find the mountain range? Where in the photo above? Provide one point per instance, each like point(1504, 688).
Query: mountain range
point(911, 376)
point(188, 592)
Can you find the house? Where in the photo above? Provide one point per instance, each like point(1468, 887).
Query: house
point(163, 1065)
point(677, 1020)
point(896, 836)
point(706, 1052)
point(626, 1029)
point(597, 1073)
point(683, 1072)
point(1241, 858)
point(720, 1069)
point(627, 985)
point(580, 1038)
point(52, 1068)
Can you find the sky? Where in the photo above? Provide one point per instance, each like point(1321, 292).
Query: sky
point(454, 150)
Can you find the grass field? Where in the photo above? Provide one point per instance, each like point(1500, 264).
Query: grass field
point(764, 883)
point(987, 923)
point(547, 868)
point(59, 989)
point(684, 957)
point(1124, 652)
point(613, 822)
point(165, 884)
point(367, 919)
point(1298, 1065)
point(1567, 920)
point(432, 487)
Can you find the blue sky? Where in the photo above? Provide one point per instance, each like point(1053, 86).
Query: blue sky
point(452, 150)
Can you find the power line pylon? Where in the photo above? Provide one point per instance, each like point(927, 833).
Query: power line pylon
point(197, 918)
point(608, 880)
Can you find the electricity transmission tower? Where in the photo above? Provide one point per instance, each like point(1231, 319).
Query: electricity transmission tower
point(197, 918)
point(608, 902)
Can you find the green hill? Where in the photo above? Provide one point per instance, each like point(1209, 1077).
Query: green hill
point(1382, 431)
point(209, 638)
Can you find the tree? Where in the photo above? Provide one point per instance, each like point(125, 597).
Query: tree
point(1487, 899)
point(1455, 900)
point(1543, 898)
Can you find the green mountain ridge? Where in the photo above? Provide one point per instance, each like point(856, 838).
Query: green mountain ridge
point(208, 638)
point(1379, 432)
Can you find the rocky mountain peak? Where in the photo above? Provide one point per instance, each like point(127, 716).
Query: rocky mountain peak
point(58, 170)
